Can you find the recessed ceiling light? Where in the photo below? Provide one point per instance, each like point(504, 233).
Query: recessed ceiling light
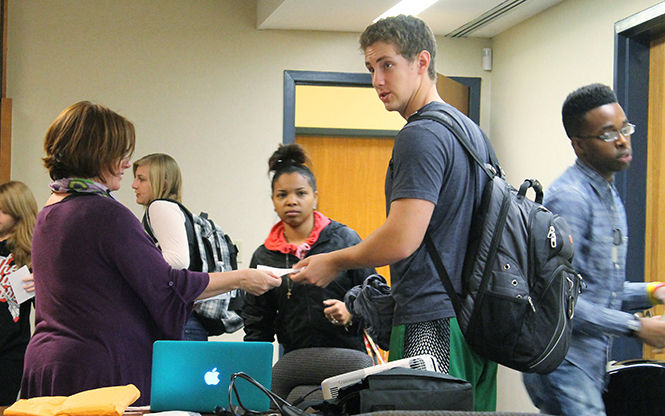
point(412, 7)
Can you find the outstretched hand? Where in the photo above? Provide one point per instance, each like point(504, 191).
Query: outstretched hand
point(257, 282)
point(317, 270)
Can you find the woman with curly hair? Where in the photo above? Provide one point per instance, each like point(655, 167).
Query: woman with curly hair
point(302, 315)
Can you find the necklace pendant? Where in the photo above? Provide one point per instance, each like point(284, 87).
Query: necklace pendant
point(288, 294)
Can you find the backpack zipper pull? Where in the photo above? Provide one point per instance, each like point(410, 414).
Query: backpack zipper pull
point(531, 303)
point(571, 298)
point(551, 234)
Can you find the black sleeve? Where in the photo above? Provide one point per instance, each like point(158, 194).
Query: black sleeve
point(259, 314)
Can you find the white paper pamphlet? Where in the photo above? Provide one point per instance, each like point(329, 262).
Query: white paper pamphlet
point(16, 281)
point(276, 270)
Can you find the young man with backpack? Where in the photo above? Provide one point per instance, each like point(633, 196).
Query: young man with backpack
point(586, 197)
point(431, 183)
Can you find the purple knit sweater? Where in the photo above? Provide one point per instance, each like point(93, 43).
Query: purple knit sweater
point(104, 294)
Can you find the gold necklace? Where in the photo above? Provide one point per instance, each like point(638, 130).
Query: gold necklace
point(289, 282)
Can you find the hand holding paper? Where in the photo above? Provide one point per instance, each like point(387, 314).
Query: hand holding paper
point(16, 280)
point(29, 283)
point(276, 270)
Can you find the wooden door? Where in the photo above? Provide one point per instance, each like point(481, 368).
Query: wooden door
point(655, 200)
point(453, 92)
point(350, 171)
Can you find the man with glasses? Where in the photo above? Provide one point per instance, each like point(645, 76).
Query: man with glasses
point(586, 197)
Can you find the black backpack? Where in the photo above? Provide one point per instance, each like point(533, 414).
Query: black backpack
point(210, 250)
point(519, 287)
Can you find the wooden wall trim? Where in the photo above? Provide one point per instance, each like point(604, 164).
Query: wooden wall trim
point(5, 103)
point(5, 139)
point(3, 21)
point(325, 131)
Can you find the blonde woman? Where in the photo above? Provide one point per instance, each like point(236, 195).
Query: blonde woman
point(18, 210)
point(157, 184)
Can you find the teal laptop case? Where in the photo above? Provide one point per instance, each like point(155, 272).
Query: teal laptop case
point(195, 375)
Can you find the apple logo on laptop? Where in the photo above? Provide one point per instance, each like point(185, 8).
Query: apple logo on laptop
point(212, 377)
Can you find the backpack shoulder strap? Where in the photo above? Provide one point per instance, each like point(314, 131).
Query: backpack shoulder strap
point(189, 228)
point(443, 274)
point(146, 224)
point(450, 121)
point(188, 215)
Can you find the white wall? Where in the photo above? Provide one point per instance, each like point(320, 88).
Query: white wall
point(196, 78)
point(462, 58)
point(201, 83)
point(537, 64)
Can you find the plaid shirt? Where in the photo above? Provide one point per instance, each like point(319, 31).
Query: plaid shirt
point(592, 207)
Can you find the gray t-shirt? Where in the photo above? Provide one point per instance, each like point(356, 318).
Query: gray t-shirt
point(429, 163)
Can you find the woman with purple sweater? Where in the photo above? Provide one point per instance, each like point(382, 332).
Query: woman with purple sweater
point(104, 292)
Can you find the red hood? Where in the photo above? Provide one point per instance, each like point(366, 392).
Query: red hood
point(276, 240)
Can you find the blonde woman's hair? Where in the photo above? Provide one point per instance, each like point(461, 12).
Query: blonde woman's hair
point(17, 200)
point(164, 176)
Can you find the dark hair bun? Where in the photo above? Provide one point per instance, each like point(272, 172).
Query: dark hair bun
point(287, 155)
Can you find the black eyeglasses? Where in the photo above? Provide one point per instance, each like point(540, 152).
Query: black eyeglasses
point(613, 135)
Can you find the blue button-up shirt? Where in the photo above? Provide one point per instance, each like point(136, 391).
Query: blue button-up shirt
point(597, 218)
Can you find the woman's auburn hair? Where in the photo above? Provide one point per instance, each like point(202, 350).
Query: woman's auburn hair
point(17, 200)
point(87, 140)
point(163, 174)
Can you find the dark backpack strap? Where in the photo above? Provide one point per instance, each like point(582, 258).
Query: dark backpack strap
point(189, 219)
point(443, 274)
point(188, 214)
point(233, 252)
point(146, 225)
point(194, 257)
point(450, 121)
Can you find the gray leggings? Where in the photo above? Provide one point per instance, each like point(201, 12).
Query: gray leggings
point(430, 337)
